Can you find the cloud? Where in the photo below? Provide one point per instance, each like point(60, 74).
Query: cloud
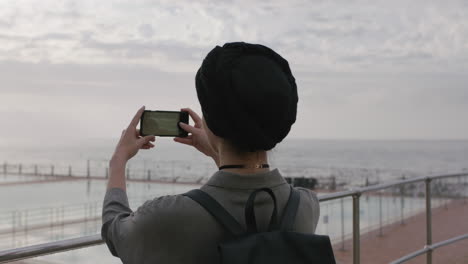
point(385, 69)
point(13, 37)
point(72, 101)
point(146, 30)
point(54, 36)
point(325, 35)
point(4, 24)
point(49, 79)
point(148, 49)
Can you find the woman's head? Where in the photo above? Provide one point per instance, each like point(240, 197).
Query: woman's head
point(248, 95)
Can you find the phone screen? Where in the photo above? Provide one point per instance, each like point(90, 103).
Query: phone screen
point(163, 123)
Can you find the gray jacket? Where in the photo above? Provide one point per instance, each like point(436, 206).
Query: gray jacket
point(175, 229)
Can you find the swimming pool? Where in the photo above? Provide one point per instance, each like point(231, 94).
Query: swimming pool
point(45, 212)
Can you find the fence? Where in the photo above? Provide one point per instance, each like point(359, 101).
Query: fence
point(99, 171)
point(332, 178)
point(18, 223)
point(70, 244)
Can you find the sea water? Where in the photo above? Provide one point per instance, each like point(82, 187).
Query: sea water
point(349, 160)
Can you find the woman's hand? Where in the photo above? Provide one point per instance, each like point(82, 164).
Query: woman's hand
point(198, 138)
point(131, 142)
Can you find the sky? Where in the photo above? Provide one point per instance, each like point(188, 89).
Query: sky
point(73, 70)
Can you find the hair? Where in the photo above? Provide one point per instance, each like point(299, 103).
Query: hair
point(248, 95)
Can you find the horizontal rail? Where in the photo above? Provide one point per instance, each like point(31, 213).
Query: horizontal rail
point(428, 248)
point(373, 188)
point(49, 248)
point(336, 195)
point(69, 244)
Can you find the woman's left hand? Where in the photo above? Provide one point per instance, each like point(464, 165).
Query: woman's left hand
point(131, 142)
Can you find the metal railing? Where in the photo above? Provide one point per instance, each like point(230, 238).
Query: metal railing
point(20, 225)
point(49, 248)
point(429, 248)
point(76, 243)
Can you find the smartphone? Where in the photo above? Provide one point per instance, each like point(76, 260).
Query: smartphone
point(163, 123)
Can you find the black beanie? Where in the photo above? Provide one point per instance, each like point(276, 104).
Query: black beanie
point(248, 95)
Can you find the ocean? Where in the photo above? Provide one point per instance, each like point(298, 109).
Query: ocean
point(350, 161)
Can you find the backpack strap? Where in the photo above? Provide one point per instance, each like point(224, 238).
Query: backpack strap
point(217, 211)
point(250, 213)
point(290, 211)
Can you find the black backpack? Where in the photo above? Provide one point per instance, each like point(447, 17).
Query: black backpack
point(278, 245)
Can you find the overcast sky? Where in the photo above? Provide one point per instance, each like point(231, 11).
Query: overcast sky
point(72, 70)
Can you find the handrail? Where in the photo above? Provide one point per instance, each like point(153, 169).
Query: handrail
point(75, 243)
point(337, 195)
point(428, 248)
point(49, 248)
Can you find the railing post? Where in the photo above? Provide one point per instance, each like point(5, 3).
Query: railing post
point(380, 214)
point(13, 226)
point(149, 175)
point(107, 172)
point(428, 220)
point(51, 212)
point(35, 169)
point(51, 170)
point(342, 225)
point(26, 224)
point(356, 229)
point(20, 169)
point(88, 172)
point(20, 219)
point(69, 170)
point(402, 204)
point(5, 167)
point(464, 187)
point(332, 182)
point(63, 216)
point(96, 211)
point(13, 222)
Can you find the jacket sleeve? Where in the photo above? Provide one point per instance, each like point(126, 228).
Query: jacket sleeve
point(119, 227)
point(316, 208)
point(313, 205)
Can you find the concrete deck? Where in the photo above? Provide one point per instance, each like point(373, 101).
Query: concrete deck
point(399, 240)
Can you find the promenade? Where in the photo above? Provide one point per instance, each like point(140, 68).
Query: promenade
point(399, 240)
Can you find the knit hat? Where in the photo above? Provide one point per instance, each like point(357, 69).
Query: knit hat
point(248, 95)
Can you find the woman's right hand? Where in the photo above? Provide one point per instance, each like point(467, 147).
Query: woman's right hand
point(198, 137)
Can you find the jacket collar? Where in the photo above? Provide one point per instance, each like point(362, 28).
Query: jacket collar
point(232, 180)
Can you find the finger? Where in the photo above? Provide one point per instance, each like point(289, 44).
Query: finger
point(137, 133)
point(148, 145)
point(137, 117)
point(188, 128)
point(196, 118)
point(187, 137)
point(186, 141)
point(144, 140)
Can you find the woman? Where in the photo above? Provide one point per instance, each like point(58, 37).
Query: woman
point(249, 99)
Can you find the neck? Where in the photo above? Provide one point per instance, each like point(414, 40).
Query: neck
point(229, 156)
